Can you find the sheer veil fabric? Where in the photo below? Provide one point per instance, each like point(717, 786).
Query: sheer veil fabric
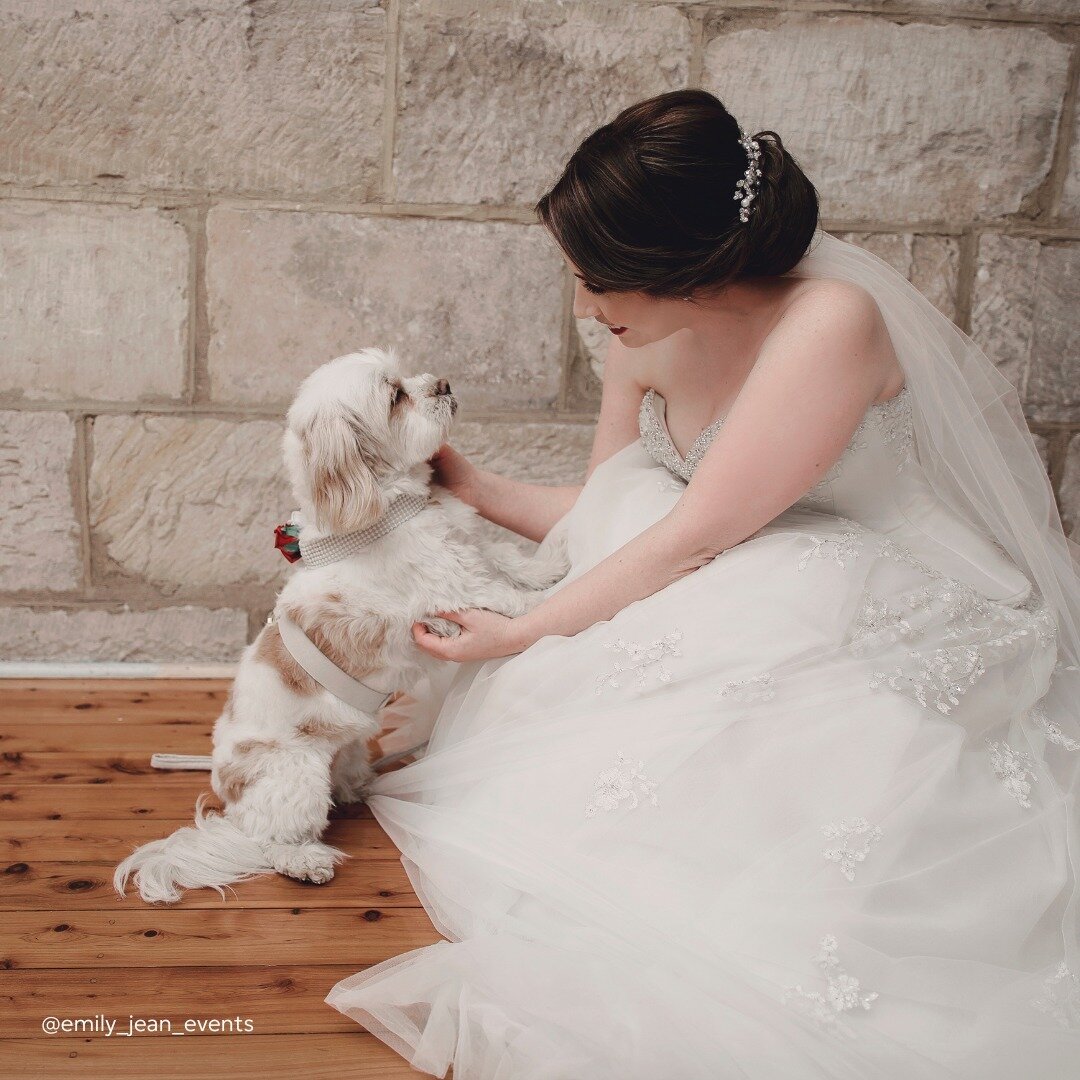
point(808, 813)
point(974, 446)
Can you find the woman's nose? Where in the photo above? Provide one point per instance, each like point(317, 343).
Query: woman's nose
point(585, 307)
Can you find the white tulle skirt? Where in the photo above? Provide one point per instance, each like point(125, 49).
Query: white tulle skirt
point(799, 815)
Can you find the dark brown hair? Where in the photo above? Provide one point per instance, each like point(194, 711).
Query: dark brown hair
point(647, 202)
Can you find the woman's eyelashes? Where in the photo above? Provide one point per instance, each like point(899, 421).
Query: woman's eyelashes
point(591, 288)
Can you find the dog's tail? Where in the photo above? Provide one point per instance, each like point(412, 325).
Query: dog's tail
point(210, 854)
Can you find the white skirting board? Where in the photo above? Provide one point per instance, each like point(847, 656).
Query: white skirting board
point(107, 669)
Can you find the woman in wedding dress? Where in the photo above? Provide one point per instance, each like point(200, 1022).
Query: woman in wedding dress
point(779, 783)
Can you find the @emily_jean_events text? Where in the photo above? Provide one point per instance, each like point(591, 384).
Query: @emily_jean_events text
point(108, 1026)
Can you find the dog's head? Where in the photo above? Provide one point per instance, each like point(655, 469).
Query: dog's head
point(355, 422)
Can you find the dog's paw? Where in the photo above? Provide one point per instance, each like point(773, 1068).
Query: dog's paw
point(442, 627)
point(304, 862)
point(554, 575)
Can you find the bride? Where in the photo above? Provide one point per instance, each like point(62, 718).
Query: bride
point(780, 782)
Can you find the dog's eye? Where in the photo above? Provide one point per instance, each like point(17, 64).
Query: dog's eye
point(396, 395)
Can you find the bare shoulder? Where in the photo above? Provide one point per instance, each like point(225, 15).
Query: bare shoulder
point(836, 303)
point(844, 316)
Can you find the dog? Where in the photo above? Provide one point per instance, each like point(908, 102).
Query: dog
point(358, 437)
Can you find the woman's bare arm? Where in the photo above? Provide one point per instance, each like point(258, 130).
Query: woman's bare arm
point(530, 510)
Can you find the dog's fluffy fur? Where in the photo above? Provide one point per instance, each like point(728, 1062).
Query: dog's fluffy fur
point(357, 434)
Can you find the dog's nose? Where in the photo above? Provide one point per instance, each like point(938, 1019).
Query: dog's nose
point(442, 387)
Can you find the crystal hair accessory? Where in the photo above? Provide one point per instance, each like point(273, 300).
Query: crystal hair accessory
point(746, 188)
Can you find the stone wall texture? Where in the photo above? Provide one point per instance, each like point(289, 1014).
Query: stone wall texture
point(201, 203)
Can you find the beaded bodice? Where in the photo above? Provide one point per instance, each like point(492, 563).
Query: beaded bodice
point(890, 420)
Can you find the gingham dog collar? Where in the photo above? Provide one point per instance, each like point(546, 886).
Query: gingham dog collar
point(333, 548)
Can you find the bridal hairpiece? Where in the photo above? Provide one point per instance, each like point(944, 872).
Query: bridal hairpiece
point(746, 188)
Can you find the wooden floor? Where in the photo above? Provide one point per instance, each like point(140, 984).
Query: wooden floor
point(76, 795)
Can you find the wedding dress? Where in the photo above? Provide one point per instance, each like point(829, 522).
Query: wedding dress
point(808, 812)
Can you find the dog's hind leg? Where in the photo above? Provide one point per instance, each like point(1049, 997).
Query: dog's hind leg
point(286, 808)
point(351, 771)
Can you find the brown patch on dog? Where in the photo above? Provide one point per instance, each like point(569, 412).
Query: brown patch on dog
point(270, 649)
point(355, 645)
point(343, 458)
point(243, 767)
point(318, 727)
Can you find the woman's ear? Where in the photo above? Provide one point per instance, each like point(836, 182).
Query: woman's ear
point(341, 459)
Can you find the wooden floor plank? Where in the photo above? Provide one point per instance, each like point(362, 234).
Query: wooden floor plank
point(87, 886)
point(137, 798)
point(138, 700)
point(85, 767)
point(356, 1055)
point(284, 999)
point(105, 841)
point(116, 736)
point(223, 937)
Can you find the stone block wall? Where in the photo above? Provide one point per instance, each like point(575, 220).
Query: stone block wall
point(200, 203)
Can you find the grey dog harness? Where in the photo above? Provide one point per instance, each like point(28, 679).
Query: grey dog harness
point(324, 671)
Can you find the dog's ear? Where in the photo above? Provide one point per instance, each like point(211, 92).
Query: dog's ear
point(341, 459)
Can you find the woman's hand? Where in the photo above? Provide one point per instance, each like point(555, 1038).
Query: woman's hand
point(484, 635)
point(454, 471)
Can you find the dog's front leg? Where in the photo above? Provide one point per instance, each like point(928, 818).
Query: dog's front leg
point(543, 568)
point(498, 596)
point(506, 599)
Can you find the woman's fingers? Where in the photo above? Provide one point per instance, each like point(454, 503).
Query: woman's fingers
point(443, 648)
point(430, 642)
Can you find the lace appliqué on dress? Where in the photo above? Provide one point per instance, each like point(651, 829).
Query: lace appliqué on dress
point(1061, 997)
point(645, 660)
point(625, 780)
point(1013, 767)
point(877, 625)
point(964, 604)
point(898, 427)
point(842, 994)
point(939, 677)
point(845, 546)
point(844, 853)
point(1053, 733)
point(757, 688)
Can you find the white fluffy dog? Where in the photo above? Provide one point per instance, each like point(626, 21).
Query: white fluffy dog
point(285, 748)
